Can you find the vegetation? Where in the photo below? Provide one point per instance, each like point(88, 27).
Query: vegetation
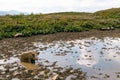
point(58, 22)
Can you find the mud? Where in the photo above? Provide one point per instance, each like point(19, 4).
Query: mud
point(59, 48)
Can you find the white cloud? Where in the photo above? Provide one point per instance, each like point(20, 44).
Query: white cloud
point(43, 6)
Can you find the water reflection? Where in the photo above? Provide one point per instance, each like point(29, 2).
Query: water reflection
point(10, 60)
point(100, 58)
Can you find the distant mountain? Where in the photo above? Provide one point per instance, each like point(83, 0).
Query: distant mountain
point(12, 12)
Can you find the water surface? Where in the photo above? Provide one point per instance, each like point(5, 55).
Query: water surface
point(99, 58)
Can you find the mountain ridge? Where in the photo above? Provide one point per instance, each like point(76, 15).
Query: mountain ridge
point(12, 12)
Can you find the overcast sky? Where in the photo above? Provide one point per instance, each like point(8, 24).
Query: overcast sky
point(50, 6)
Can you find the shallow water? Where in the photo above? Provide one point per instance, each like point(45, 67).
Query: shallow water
point(99, 58)
point(9, 61)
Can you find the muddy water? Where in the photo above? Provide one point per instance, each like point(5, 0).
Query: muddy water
point(99, 58)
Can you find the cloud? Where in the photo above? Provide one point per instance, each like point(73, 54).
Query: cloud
point(45, 6)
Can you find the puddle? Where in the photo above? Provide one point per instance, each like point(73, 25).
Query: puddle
point(99, 58)
point(9, 61)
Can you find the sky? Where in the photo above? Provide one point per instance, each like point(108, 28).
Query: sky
point(51, 6)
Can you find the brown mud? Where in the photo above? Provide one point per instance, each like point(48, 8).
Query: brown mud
point(13, 47)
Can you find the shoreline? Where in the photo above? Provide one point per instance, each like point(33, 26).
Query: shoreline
point(70, 35)
point(11, 46)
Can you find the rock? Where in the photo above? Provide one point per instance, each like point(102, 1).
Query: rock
point(36, 77)
point(18, 35)
point(2, 72)
point(107, 29)
point(29, 56)
point(118, 76)
point(107, 76)
point(26, 71)
point(15, 73)
point(7, 76)
point(15, 65)
point(33, 73)
point(2, 68)
point(70, 77)
point(71, 71)
point(54, 77)
point(41, 73)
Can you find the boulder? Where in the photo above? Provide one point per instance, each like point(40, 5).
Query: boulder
point(18, 35)
point(29, 56)
point(107, 29)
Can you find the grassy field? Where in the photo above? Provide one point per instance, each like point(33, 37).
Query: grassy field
point(34, 24)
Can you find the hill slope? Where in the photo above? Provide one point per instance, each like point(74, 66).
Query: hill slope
point(34, 24)
point(109, 13)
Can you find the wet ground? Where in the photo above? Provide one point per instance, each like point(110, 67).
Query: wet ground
point(99, 58)
point(72, 56)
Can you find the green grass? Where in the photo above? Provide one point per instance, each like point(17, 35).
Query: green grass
point(57, 22)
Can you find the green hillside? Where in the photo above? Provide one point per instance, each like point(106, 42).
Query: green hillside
point(34, 24)
point(110, 13)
